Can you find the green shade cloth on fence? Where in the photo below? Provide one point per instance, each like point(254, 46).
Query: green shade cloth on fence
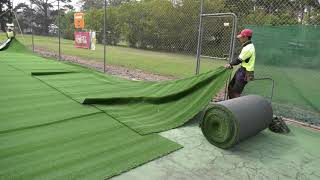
point(290, 55)
point(288, 46)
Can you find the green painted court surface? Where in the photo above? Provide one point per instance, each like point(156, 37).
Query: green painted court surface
point(47, 133)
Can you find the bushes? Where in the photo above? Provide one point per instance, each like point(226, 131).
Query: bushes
point(163, 25)
point(67, 26)
point(262, 18)
point(94, 21)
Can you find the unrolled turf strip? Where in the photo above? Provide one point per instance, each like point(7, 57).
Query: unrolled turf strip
point(26, 101)
point(147, 107)
point(90, 147)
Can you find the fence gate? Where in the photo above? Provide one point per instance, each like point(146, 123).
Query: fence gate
point(217, 37)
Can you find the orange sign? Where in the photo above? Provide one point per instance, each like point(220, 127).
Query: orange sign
point(79, 20)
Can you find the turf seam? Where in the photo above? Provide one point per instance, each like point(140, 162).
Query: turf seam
point(103, 111)
point(35, 77)
point(48, 124)
point(100, 110)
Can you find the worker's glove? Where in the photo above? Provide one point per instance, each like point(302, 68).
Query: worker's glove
point(228, 66)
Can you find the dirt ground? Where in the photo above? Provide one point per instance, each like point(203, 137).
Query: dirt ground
point(132, 74)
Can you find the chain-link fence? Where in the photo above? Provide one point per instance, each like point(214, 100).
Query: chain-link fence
point(161, 37)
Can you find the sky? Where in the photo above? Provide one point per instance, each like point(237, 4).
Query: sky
point(75, 3)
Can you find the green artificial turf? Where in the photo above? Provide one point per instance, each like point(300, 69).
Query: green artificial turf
point(146, 107)
point(90, 147)
point(44, 134)
point(48, 134)
point(27, 102)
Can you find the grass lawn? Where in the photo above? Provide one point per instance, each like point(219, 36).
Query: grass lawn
point(177, 65)
point(294, 87)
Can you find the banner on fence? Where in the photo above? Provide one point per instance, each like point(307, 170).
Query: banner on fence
point(82, 40)
point(85, 40)
point(79, 20)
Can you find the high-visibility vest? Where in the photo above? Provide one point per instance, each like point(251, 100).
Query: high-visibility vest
point(248, 57)
point(10, 34)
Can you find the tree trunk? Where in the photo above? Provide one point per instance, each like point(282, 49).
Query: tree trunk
point(2, 23)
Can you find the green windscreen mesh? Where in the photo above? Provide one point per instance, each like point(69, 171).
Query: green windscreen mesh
point(290, 56)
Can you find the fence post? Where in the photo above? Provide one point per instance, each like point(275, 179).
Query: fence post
point(59, 29)
point(32, 21)
point(199, 39)
point(104, 36)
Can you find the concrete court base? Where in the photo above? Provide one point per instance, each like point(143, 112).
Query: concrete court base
point(265, 156)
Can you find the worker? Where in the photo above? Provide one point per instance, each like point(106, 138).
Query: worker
point(247, 60)
point(10, 32)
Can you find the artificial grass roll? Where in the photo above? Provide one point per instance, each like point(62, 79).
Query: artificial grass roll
point(5, 44)
point(226, 123)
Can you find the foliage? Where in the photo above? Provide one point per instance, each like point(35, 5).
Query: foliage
point(6, 16)
point(172, 25)
point(67, 25)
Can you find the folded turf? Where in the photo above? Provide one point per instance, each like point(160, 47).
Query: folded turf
point(146, 107)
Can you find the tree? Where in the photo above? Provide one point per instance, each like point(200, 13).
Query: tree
point(92, 4)
point(24, 12)
point(6, 15)
point(94, 21)
point(67, 25)
point(44, 15)
point(97, 4)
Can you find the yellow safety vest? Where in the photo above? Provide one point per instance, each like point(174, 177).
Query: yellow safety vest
point(10, 34)
point(248, 57)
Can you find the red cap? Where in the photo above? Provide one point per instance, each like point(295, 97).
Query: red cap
point(245, 33)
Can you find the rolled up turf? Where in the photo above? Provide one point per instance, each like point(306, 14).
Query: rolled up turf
point(226, 123)
point(5, 44)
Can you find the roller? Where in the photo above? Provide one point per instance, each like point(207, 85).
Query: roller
point(226, 123)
